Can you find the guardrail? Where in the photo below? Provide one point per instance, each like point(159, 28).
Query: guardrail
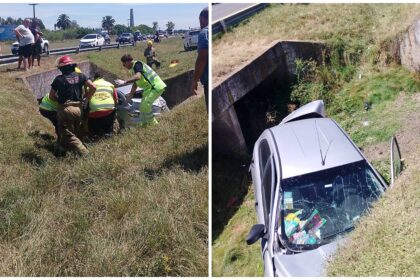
point(224, 23)
point(6, 59)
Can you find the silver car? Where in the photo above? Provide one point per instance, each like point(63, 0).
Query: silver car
point(311, 184)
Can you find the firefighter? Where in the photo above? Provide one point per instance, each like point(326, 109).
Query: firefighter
point(102, 108)
point(66, 89)
point(147, 79)
point(150, 55)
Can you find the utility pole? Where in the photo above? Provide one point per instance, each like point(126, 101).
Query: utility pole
point(33, 6)
point(128, 23)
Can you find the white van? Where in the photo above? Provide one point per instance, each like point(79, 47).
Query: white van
point(191, 39)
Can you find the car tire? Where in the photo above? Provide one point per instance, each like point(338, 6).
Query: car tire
point(45, 49)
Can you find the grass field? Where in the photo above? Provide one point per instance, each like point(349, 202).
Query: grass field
point(363, 29)
point(137, 205)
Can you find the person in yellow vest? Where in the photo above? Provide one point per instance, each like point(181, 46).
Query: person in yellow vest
point(102, 108)
point(48, 109)
point(147, 79)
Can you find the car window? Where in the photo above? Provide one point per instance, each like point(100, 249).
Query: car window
point(90, 36)
point(268, 185)
point(264, 155)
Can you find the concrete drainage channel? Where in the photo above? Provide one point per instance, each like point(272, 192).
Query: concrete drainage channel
point(177, 90)
point(244, 103)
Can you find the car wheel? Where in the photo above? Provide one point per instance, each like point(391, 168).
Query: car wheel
point(45, 48)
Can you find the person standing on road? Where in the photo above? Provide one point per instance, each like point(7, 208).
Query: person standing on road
point(150, 55)
point(147, 79)
point(36, 48)
point(102, 108)
point(201, 71)
point(26, 40)
point(66, 89)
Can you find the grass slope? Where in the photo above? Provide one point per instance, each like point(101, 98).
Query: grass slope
point(135, 206)
point(362, 29)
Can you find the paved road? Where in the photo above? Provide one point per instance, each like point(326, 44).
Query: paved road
point(221, 11)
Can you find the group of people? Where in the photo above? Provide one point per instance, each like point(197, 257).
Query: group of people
point(74, 100)
point(75, 103)
point(29, 36)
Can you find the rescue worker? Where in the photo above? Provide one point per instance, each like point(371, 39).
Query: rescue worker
point(102, 108)
point(66, 89)
point(48, 108)
point(150, 55)
point(147, 79)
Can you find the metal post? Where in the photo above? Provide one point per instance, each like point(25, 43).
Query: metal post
point(33, 7)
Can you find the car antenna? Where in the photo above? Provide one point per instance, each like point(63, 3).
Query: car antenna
point(323, 158)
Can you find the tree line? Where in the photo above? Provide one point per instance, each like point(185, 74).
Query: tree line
point(70, 29)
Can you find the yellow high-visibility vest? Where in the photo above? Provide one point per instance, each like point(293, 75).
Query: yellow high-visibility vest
point(102, 99)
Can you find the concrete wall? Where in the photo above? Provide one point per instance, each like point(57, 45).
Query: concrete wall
point(39, 84)
point(227, 134)
point(178, 88)
point(409, 47)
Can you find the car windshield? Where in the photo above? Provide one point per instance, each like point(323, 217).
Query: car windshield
point(90, 36)
point(319, 206)
point(126, 34)
point(193, 33)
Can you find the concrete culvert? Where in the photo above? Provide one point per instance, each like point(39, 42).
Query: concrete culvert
point(255, 97)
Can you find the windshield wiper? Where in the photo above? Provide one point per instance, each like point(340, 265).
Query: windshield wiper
point(339, 233)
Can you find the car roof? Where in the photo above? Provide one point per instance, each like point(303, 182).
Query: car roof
point(300, 144)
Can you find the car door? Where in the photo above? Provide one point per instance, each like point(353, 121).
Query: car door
point(396, 161)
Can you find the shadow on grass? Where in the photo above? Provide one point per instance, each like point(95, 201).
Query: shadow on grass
point(230, 182)
point(46, 142)
point(192, 161)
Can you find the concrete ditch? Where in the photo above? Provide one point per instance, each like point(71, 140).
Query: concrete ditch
point(241, 103)
point(177, 90)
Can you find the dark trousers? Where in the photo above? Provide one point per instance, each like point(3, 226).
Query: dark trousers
point(157, 62)
point(206, 94)
point(99, 127)
point(52, 116)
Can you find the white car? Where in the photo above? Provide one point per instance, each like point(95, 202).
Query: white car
point(191, 39)
point(44, 44)
point(311, 186)
point(92, 40)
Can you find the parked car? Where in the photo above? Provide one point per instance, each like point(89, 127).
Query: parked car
point(44, 44)
point(311, 185)
point(92, 40)
point(191, 39)
point(126, 38)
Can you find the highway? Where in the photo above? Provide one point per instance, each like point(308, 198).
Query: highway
point(221, 11)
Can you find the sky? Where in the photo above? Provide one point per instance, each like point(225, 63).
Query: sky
point(184, 15)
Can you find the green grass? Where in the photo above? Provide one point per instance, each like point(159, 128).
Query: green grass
point(358, 36)
point(137, 205)
point(385, 243)
point(231, 255)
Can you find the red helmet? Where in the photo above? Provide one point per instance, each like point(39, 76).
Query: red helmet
point(63, 61)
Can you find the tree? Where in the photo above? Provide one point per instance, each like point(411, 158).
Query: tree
point(155, 26)
point(74, 24)
point(170, 27)
point(119, 28)
point(63, 21)
point(107, 23)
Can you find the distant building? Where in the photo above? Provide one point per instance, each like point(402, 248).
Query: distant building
point(131, 18)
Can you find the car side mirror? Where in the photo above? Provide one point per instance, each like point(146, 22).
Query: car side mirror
point(256, 232)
